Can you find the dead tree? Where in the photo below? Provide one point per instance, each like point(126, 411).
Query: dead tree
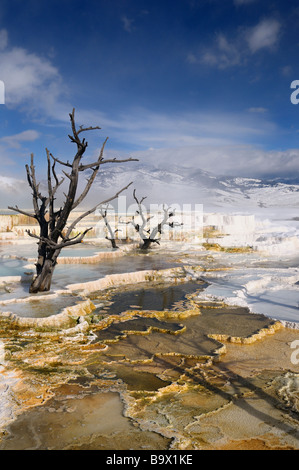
point(149, 234)
point(112, 233)
point(54, 234)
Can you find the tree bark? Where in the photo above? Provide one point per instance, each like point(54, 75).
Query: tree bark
point(45, 266)
point(42, 281)
point(113, 243)
point(147, 243)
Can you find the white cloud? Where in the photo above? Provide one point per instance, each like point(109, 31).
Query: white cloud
point(229, 160)
point(12, 146)
point(8, 183)
point(223, 54)
point(14, 191)
point(259, 110)
point(144, 128)
point(263, 35)
point(32, 83)
point(238, 48)
point(16, 140)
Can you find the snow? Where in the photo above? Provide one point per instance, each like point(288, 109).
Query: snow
point(231, 223)
point(267, 280)
point(272, 292)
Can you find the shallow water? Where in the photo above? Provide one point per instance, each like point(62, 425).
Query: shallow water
point(65, 274)
point(14, 258)
point(70, 274)
point(12, 267)
point(29, 250)
point(80, 419)
point(145, 297)
point(43, 308)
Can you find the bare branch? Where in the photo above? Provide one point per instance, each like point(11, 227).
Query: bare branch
point(74, 240)
point(140, 212)
point(113, 160)
point(59, 183)
point(91, 128)
point(54, 174)
point(32, 168)
point(67, 175)
point(72, 138)
point(36, 195)
point(50, 188)
point(50, 199)
point(99, 160)
point(91, 179)
point(107, 224)
point(56, 160)
point(42, 239)
point(16, 209)
point(75, 135)
point(85, 214)
point(58, 246)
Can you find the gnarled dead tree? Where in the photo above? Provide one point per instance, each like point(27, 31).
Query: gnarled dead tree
point(54, 234)
point(147, 233)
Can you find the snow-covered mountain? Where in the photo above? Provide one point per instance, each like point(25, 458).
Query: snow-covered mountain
point(182, 185)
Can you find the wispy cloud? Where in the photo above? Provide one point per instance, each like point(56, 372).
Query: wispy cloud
point(224, 54)
point(141, 128)
point(236, 49)
point(16, 140)
point(12, 147)
point(127, 24)
point(259, 110)
point(263, 35)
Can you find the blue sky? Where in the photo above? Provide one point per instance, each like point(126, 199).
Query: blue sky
point(204, 82)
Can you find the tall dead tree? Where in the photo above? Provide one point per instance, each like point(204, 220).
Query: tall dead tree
point(147, 233)
point(54, 234)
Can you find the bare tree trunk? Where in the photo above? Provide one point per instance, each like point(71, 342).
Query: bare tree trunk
point(112, 233)
point(113, 243)
point(44, 272)
point(43, 280)
point(147, 243)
